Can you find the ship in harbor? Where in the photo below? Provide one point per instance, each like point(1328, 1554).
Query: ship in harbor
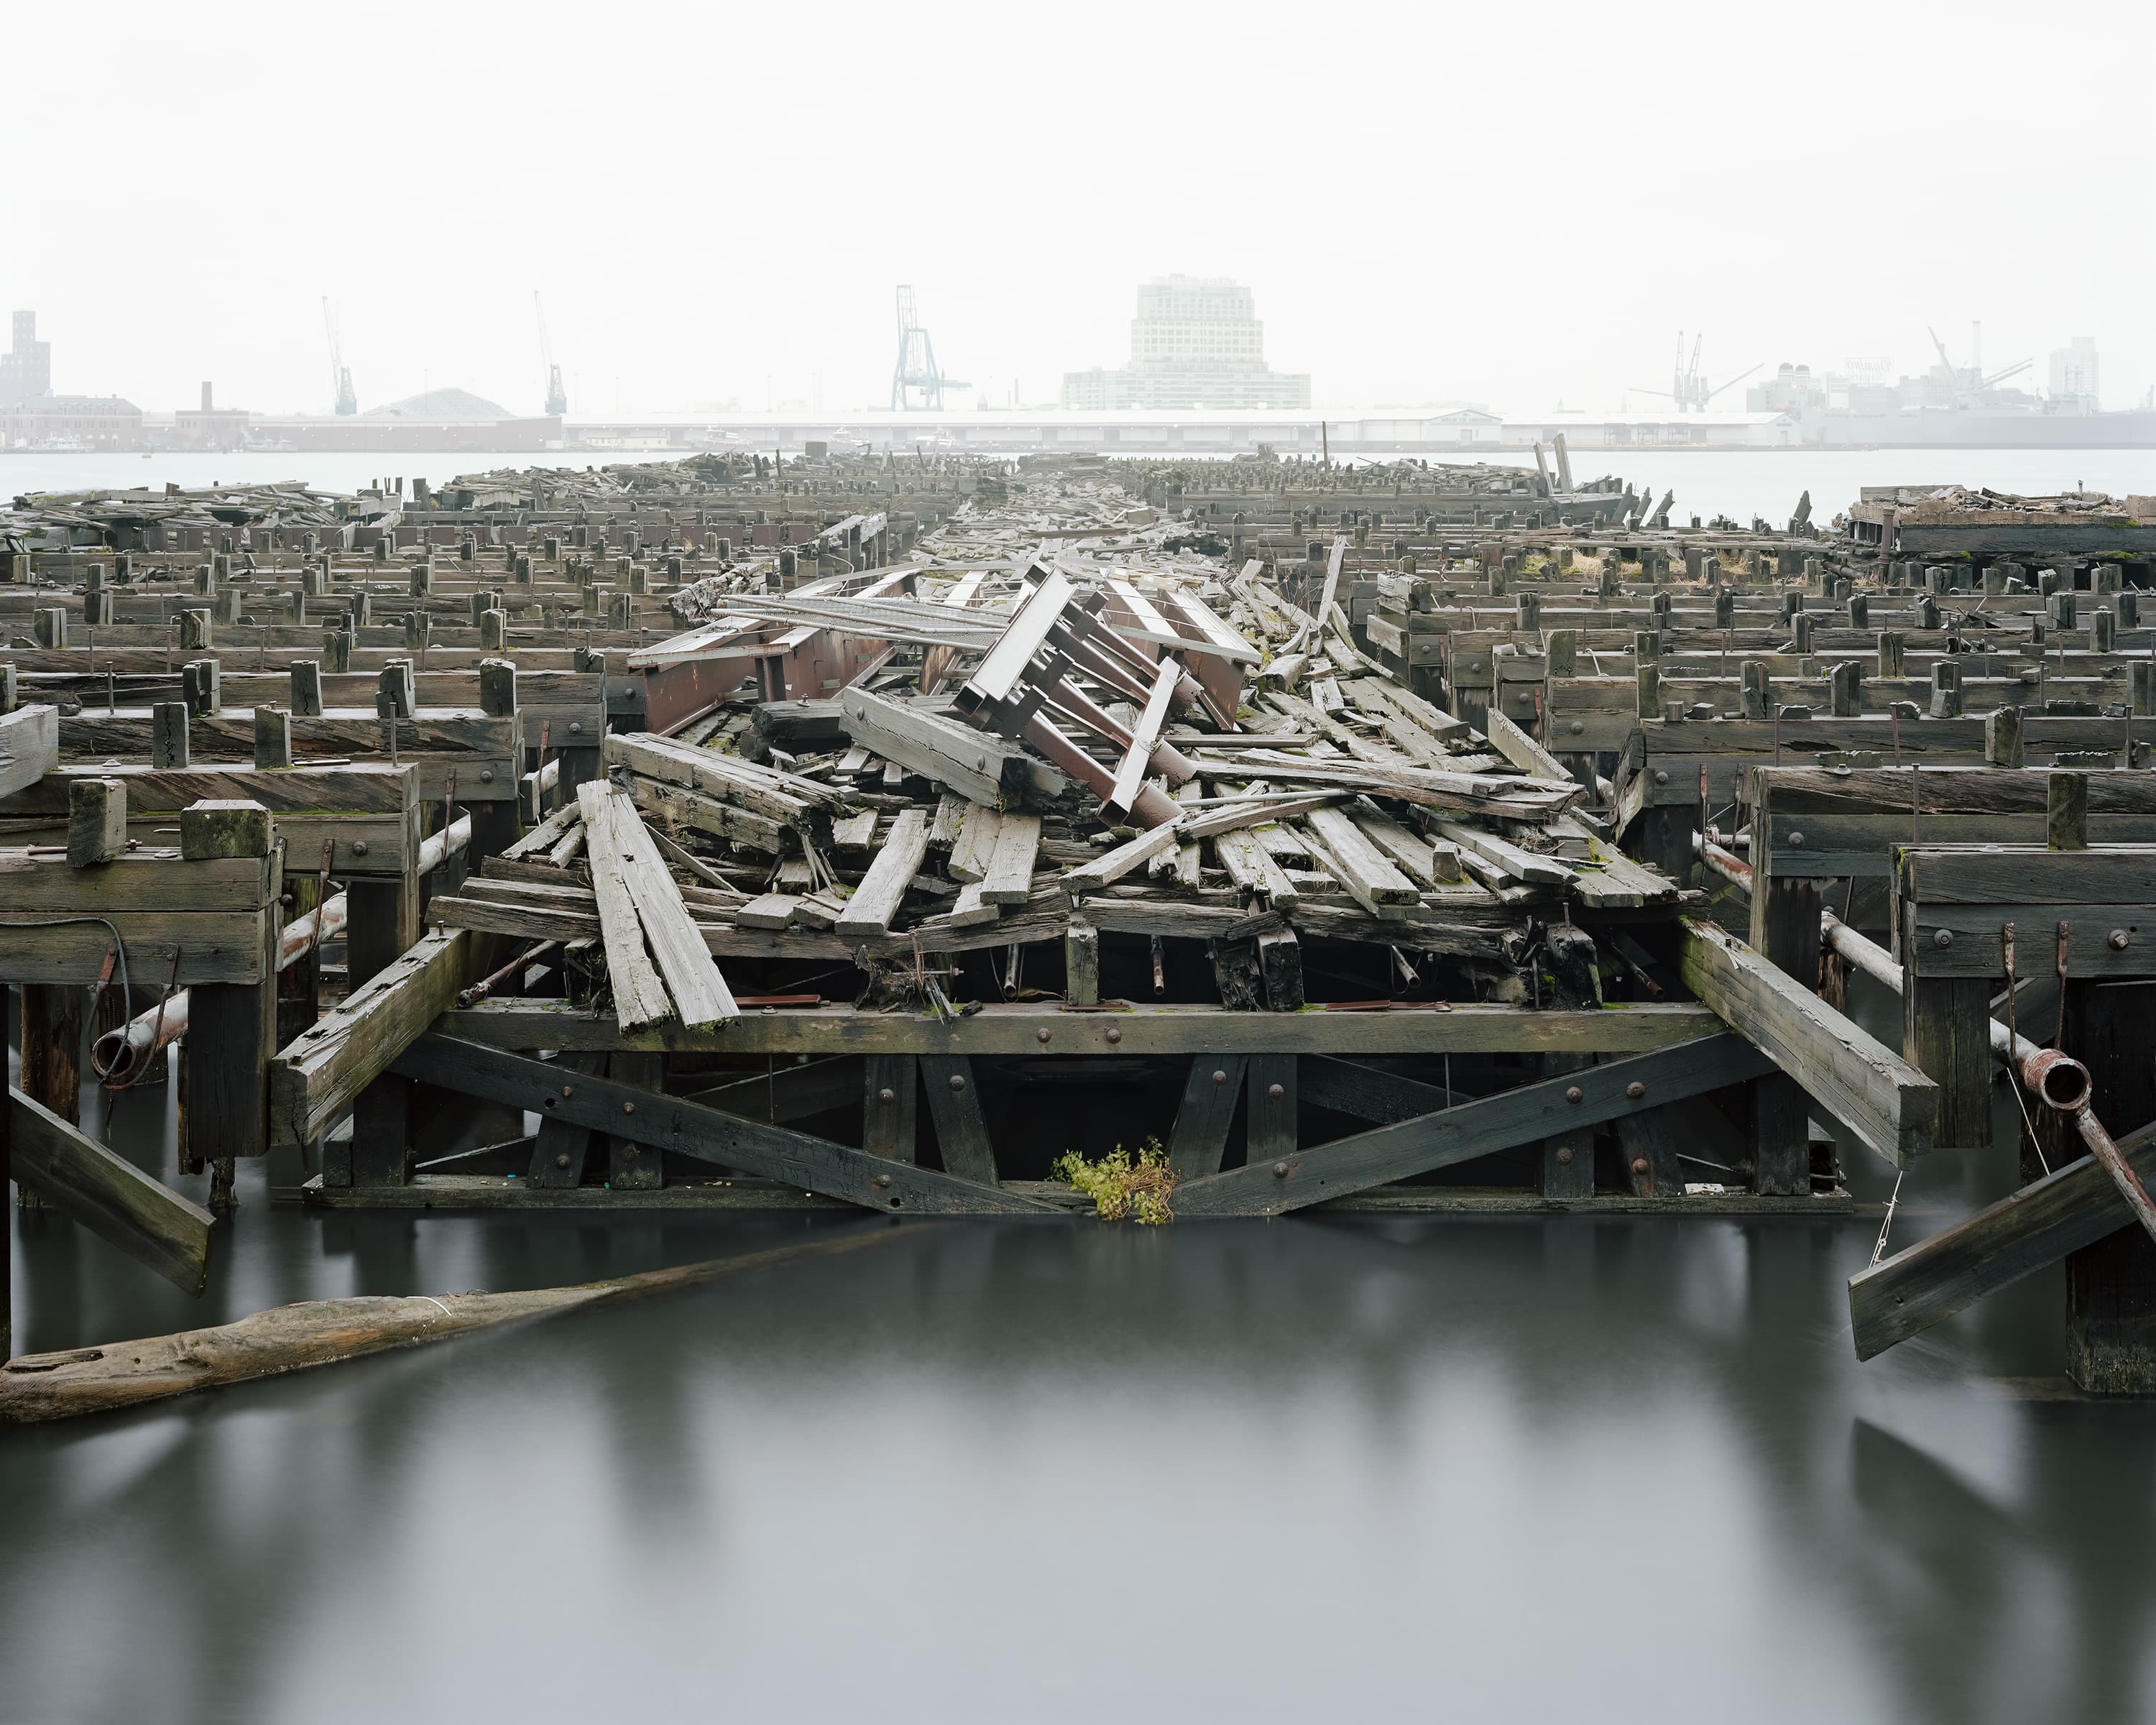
point(1954, 406)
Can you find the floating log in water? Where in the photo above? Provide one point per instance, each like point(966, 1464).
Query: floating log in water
point(39, 1387)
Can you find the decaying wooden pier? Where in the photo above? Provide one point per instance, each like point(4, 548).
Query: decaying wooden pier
point(875, 834)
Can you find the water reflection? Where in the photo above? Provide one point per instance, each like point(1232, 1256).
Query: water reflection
point(1330, 1467)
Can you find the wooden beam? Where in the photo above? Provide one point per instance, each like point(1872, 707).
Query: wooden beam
point(961, 1126)
point(1924, 1284)
point(640, 995)
point(1015, 1028)
point(1298, 1179)
point(1367, 1093)
point(29, 746)
point(882, 890)
point(698, 992)
point(1210, 1091)
point(887, 1106)
point(984, 766)
point(1861, 1082)
point(776, 1152)
point(317, 1079)
point(77, 1176)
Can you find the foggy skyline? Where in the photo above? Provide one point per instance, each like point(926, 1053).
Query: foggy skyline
point(1511, 208)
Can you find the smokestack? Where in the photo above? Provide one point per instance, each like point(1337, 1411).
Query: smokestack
point(206, 402)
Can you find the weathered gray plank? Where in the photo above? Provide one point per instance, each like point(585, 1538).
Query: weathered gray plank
point(316, 1081)
point(1472, 1129)
point(961, 1126)
point(116, 1201)
point(668, 1122)
point(1926, 1283)
point(1210, 1093)
point(1864, 1084)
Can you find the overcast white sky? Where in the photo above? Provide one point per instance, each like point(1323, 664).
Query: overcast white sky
point(1513, 204)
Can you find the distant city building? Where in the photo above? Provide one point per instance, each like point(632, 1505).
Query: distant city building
point(1196, 342)
point(1790, 390)
point(210, 426)
point(26, 371)
point(31, 416)
point(2073, 374)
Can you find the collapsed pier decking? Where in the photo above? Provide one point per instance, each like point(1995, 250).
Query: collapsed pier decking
point(965, 817)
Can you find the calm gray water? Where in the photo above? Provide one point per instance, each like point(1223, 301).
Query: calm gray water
point(1315, 1468)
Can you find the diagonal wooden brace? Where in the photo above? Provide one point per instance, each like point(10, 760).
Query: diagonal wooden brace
point(1526, 1115)
point(2071, 1207)
point(669, 1123)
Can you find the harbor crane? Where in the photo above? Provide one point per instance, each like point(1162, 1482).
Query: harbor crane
point(1688, 387)
point(557, 397)
point(916, 371)
point(347, 402)
point(1969, 381)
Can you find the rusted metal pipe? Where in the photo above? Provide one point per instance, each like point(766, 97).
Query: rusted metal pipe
point(116, 1056)
point(2119, 1167)
point(2055, 1078)
point(437, 848)
point(1732, 867)
point(485, 985)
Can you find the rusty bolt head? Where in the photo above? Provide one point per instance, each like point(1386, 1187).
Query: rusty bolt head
point(562, 1160)
point(1040, 1035)
point(1942, 938)
point(958, 1083)
point(880, 1181)
point(887, 1095)
point(2117, 940)
point(628, 1107)
point(1115, 1035)
point(1635, 1090)
point(1219, 1077)
point(1565, 1156)
point(1575, 1094)
point(1275, 1091)
point(1280, 1171)
point(359, 847)
point(1662, 777)
point(1640, 1165)
point(568, 1090)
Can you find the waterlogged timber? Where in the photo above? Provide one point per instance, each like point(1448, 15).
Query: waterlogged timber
point(36, 1388)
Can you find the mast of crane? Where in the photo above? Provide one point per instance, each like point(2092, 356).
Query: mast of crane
point(557, 397)
point(916, 369)
point(347, 402)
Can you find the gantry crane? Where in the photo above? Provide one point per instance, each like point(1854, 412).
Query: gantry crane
point(917, 368)
point(347, 402)
point(557, 397)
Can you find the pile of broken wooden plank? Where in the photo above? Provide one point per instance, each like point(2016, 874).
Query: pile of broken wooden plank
point(1086, 774)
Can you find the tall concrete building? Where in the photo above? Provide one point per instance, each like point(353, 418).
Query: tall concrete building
point(32, 417)
point(26, 372)
point(2073, 374)
point(1196, 342)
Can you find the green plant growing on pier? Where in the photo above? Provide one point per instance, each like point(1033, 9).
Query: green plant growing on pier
point(1120, 1187)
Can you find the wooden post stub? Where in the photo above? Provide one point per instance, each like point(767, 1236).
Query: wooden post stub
point(223, 826)
point(97, 821)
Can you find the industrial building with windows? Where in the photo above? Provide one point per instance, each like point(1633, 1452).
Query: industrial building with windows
point(1195, 343)
point(32, 417)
